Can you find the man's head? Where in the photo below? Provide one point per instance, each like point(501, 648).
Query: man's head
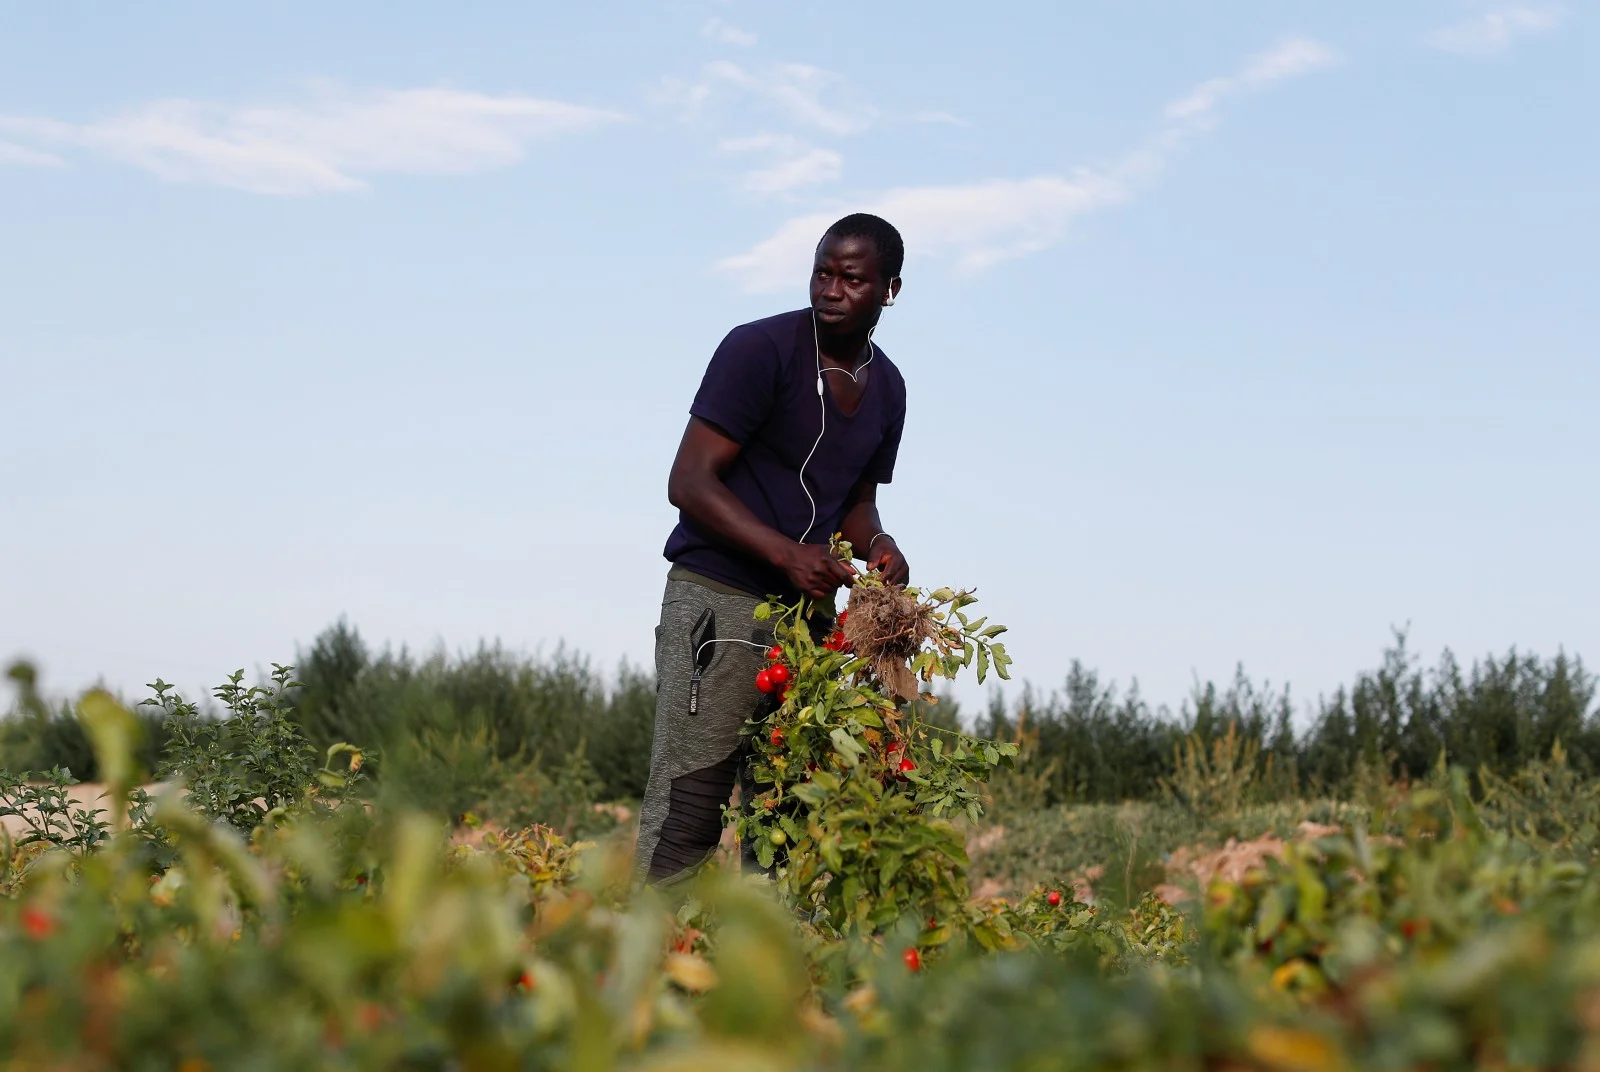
point(856, 272)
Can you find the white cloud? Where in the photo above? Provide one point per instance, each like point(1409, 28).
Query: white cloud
point(978, 225)
point(1288, 60)
point(818, 165)
point(724, 34)
point(804, 103)
point(1494, 31)
point(325, 145)
point(798, 92)
point(793, 162)
point(19, 155)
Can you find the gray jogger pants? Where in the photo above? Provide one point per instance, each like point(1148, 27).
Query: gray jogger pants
point(705, 692)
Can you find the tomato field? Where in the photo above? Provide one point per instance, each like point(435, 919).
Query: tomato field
point(925, 907)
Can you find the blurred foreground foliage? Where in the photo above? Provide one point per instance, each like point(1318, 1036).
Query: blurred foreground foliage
point(1453, 922)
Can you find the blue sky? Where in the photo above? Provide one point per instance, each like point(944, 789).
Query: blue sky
point(1236, 332)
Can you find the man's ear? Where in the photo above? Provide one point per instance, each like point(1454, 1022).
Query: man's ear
point(893, 292)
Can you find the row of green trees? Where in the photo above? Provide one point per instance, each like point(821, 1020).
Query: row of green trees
point(530, 735)
point(1092, 743)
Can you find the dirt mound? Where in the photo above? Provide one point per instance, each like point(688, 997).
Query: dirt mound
point(1231, 863)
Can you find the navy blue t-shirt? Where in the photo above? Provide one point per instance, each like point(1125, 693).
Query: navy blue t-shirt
point(760, 390)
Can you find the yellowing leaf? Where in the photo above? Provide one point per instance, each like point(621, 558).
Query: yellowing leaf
point(861, 999)
point(1298, 974)
point(691, 972)
point(719, 1055)
point(1293, 1050)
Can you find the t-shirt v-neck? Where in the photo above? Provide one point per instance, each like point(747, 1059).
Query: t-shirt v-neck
point(829, 378)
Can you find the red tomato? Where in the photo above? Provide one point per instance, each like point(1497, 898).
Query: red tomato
point(913, 959)
point(1054, 898)
point(776, 738)
point(779, 673)
point(764, 681)
point(774, 653)
point(37, 923)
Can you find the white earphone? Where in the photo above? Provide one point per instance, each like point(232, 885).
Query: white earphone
point(822, 404)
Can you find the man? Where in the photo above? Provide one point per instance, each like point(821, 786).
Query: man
point(796, 423)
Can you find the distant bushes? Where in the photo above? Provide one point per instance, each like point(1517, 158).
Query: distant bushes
point(545, 737)
point(37, 737)
point(484, 729)
point(1498, 716)
point(509, 737)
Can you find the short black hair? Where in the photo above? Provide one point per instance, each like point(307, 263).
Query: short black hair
point(881, 233)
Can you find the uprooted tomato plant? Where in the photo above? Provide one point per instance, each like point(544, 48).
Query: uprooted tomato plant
point(856, 792)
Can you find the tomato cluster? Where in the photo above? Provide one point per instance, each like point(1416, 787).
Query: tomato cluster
point(777, 677)
point(836, 641)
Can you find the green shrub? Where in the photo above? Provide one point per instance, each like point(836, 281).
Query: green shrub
point(440, 727)
point(38, 736)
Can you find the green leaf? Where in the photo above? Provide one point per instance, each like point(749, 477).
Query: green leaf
point(763, 611)
point(847, 747)
point(1273, 913)
point(1002, 661)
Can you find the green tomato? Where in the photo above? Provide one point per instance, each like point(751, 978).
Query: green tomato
point(777, 837)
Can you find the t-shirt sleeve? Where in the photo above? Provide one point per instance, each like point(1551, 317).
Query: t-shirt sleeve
point(880, 470)
point(740, 385)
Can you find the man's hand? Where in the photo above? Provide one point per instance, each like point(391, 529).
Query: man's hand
point(814, 571)
point(884, 555)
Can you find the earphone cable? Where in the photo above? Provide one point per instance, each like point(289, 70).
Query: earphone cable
point(822, 404)
point(726, 640)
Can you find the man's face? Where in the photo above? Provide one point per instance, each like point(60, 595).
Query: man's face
point(847, 285)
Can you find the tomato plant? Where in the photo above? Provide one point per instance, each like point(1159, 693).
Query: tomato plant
point(856, 791)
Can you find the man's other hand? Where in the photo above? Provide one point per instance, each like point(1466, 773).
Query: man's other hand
point(885, 557)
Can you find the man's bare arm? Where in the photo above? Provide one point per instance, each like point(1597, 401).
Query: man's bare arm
point(695, 486)
point(864, 529)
